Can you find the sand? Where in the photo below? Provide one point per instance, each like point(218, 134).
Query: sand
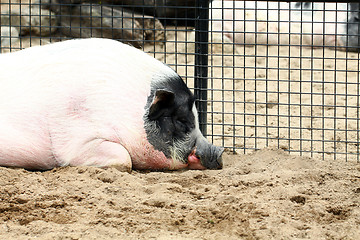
point(266, 194)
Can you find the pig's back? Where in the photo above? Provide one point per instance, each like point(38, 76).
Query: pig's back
point(92, 55)
point(49, 73)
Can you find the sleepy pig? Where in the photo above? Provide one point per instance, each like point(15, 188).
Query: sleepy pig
point(312, 24)
point(97, 102)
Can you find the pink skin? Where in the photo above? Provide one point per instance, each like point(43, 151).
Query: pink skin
point(79, 102)
point(194, 162)
point(237, 21)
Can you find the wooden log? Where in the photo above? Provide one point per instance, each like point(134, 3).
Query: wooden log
point(94, 20)
point(173, 11)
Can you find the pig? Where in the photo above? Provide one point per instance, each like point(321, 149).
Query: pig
point(296, 23)
point(98, 102)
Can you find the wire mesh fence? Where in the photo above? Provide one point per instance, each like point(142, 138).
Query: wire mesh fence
point(277, 74)
point(292, 79)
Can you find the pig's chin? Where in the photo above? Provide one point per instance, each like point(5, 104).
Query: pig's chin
point(194, 162)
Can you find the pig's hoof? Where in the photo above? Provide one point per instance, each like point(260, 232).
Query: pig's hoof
point(122, 167)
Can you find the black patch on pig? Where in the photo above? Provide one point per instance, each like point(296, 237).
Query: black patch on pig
point(353, 28)
point(303, 5)
point(169, 117)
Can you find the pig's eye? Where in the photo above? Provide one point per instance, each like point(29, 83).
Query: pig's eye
point(182, 125)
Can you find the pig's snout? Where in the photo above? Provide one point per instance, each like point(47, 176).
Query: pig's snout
point(210, 156)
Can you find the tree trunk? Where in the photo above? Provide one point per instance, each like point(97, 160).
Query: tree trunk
point(94, 20)
point(166, 10)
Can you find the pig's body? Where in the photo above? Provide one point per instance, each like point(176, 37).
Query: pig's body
point(308, 24)
point(85, 102)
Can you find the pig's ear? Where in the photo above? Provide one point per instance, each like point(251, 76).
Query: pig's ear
point(163, 99)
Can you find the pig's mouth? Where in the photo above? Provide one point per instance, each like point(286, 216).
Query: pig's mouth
point(194, 161)
point(197, 161)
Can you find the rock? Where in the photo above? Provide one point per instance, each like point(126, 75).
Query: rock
point(81, 20)
point(9, 35)
point(168, 11)
point(42, 22)
point(94, 20)
point(34, 20)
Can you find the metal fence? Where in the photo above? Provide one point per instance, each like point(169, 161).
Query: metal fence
point(266, 74)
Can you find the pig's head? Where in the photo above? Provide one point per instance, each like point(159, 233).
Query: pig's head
point(172, 127)
point(353, 28)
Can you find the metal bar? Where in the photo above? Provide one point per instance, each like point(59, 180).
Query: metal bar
point(201, 61)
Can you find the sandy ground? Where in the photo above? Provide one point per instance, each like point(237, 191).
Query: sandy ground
point(260, 97)
point(266, 195)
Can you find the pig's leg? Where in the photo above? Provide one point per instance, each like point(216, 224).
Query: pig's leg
point(105, 154)
point(110, 154)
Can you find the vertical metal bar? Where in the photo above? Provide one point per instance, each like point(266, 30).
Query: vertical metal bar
point(201, 61)
point(0, 27)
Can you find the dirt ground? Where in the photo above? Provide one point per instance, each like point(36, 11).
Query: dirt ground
point(280, 102)
point(266, 195)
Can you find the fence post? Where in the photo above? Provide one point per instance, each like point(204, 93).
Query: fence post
point(201, 61)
